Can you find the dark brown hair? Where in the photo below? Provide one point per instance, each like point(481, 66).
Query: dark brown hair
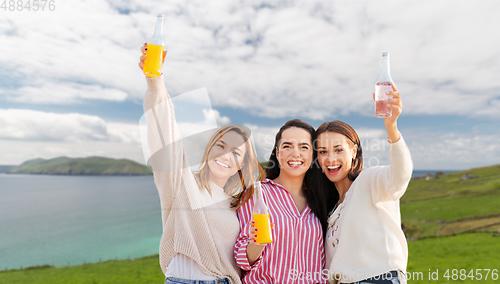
point(315, 189)
point(345, 129)
point(273, 167)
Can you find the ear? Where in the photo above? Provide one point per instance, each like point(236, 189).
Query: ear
point(354, 151)
point(277, 152)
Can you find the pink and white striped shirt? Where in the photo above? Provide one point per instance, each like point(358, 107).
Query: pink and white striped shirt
point(296, 254)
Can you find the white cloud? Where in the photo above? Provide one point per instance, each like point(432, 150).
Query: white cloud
point(272, 58)
point(68, 93)
point(308, 59)
point(453, 150)
point(31, 125)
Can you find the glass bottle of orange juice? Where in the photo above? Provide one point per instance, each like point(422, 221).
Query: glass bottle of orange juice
point(154, 54)
point(261, 216)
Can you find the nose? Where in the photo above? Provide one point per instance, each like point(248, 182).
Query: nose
point(225, 156)
point(329, 158)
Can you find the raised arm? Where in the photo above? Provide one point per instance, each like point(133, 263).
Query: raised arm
point(390, 182)
point(167, 157)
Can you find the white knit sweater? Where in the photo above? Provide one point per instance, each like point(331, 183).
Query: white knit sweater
point(364, 237)
point(203, 232)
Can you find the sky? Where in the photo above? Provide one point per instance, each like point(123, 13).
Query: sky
point(70, 84)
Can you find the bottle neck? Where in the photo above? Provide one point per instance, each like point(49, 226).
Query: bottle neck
point(385, 72)
point(159, 27)
point(259, 205)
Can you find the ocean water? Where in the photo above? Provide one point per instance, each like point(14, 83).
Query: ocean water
point(70, 220)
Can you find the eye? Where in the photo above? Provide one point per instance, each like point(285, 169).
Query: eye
point(286, 146)
point(339, 150)
point(236, 154)
point(305, 147)
point(220, 146)
point(322, 152)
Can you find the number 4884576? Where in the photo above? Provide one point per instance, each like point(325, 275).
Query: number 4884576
point(28, 5)
point(474, 274)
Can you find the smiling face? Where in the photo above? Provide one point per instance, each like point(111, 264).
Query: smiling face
point(226, 157)
point(335, 155)
point(294, 152)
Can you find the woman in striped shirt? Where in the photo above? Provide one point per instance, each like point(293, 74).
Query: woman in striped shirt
point(296, 207)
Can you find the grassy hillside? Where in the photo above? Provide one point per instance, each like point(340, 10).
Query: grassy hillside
point(450, 204)
point(139, 271)
point(81, 166)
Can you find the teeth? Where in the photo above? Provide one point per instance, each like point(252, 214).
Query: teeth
point(333, 167)
point(295, 163)
point(221, 164)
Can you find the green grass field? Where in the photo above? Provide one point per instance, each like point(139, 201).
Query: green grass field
point(464, 251)
point(139, 271)
point(447, 204)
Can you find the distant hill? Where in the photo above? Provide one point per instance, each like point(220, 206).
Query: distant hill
point(81, 166)
point(4, 169)
point(448, 204)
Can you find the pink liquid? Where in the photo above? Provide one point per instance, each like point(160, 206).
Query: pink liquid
point(381, 105)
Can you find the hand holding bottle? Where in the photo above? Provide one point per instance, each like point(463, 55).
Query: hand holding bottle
point(255, 249)
point(144, 50)
point(396, 105)
point(254, 234)
point(155, 49)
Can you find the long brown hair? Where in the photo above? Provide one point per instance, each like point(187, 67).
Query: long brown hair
point(239, 185)
point(315, 191)
point(346, 130)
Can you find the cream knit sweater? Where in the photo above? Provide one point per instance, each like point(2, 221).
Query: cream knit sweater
point(203, 232)
point(364, 236)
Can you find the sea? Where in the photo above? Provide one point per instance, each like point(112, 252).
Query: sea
point(71, 220)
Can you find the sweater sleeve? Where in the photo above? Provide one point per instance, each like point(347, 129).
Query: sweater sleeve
point(240, 248)
point(167, 157)
point(389, 183)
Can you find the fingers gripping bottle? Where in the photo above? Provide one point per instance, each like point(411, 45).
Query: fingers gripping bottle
point(261, 216)
point(154, 54)
point(383, 86)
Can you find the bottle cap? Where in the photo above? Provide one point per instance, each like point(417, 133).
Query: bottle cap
point(160, 15)
point(385, 53)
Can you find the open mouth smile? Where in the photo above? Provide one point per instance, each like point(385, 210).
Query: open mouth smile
point(295, 164)
point(333, 170)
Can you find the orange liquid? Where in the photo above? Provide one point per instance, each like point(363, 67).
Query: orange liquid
point(263, 224)
point(152, 64)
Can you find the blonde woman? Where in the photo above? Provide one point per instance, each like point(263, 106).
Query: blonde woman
point(200, 225)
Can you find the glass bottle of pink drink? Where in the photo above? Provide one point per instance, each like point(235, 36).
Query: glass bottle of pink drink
point(382, 87)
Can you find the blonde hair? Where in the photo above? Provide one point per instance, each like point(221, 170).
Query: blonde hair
point(239, 185)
